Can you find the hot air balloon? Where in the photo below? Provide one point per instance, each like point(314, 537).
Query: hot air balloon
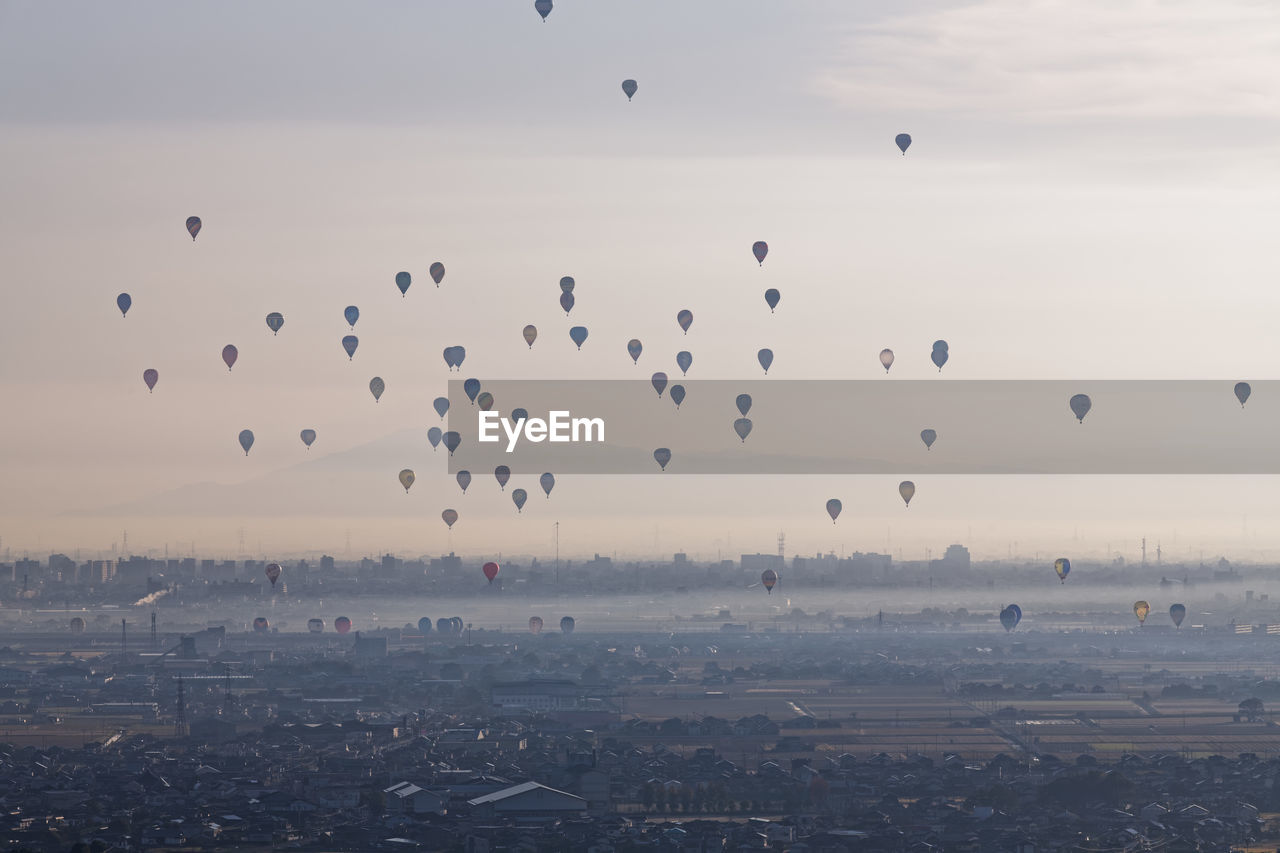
point(566, 303)
point(406, 479)
point(543, 8)
point(272, 571)
point(939, 358)
point(768, 578)
point(685, 319)
point(502, 474)
point(578, 334)
point(376, 387)
point(452, 439)
point(1243, 390)
point(193, 226)
point(315, 626)
point(743, 403)
point(886, 359)
point(351, 313)
point(308, 437)
point(760, 248)
point(1063, 568)
point(349, 343)
point(1141, 609)
point(449, 516)
point(677, 395)
point(662, 456)
point(424, 625)
point(261, 625)
point(1080, 406)
point(771, 298)
point(472, 388)
point(518, 497)
point(342, 624)
point(548, 482)
point(441, 405)
point(457, 624)
point(1177, 612)
point(684, 360)
point(484, 400)
point(1008, 618)
point(403, 280)
point(246, 440)
point(833, 509)
point(275, 321)
point(535, 624)
point(928, 436)
point(904, 142)
point(124, 301)
point(659, 382)
point(464, 480)
point(151, 376)
point(567, 625)
point(229, 356)
point(634, 348)
point(742, 426)
point(518, 415)
point(459, 355)
point(907, 489)
point(765, 357)
point(437, 272)
point(629, 88)
point(77, 625)
point(566, 284)
point(1017, 612)
point(490, 571)
point(530, 334)
point(434, 436)
point(444, 626)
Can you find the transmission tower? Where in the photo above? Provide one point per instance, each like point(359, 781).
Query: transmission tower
point(180, 720)
point(227, 699)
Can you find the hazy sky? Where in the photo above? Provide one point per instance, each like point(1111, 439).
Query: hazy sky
point(1091, 192)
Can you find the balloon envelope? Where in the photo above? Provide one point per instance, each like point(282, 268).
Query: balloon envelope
point(760, 248)
point(543, 8)
point(659, 381)
point(629, 88)
point(904, 141)
point(261, 624)
point(434, 435)
point(272, 571)
point(502, 474)
point(441, 405)
point(229, 356)
point(742, 426)
point(518, 497)
point(376, 387)
point(308, 437)
point(685, 319)
point(403, 280)
point(464, 480)
point(151, 376)
point(530, 334)
point(349, 343)
point(662, 456)
point(351, 313)
point(437, 273)
point(939, 358)
point(566, 302)
point(452, 439)
point(833, 509)
point(578, 334)
point(246, 440)
point(744, 404)
point(634, 348)
point(275, 321)
point(928, 436)
point(1177, 613)
point(1008, 619)
point(684, 360)
point(886, 359)
point(1062, 566)
point(518, 415)
point(424, 625)
point(677, 394)
point(193, 226)
point(907, 489)
point(772, 297)
point(123, 302)
point(342, 624)
point(406, 479)
point(548, 482)
point(315, 626)
point(490, 571)
point(472, 388)
point(535, 624)
point(77, 625)
point(567, 624)
point(1243, 390)
point(485, 401)
point(769, 578)
point(1080, 406)
point(1141, 609)
point(449, 516)
point(765, 357)
point(566, 284)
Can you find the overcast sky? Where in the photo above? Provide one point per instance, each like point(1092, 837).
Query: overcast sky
point(1091, 192)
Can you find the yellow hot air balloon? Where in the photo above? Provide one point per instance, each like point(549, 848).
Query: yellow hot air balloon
point(406, 479)
point(1063, 567)
point(1141, 609)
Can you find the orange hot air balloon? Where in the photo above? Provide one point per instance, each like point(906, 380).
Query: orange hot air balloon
point(490, 571)
point(342, 624)
point(769, 578)
point(1141, 609)
point(272, 572)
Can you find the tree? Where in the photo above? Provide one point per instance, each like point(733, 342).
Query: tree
point(1252, 709)
point(647, 796)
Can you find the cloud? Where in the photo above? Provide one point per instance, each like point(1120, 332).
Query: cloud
point(1060, 60)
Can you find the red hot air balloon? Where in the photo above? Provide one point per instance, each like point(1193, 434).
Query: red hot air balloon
point(272, 572)
point(490, 571)
point(769, 578)
point(342, 625)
